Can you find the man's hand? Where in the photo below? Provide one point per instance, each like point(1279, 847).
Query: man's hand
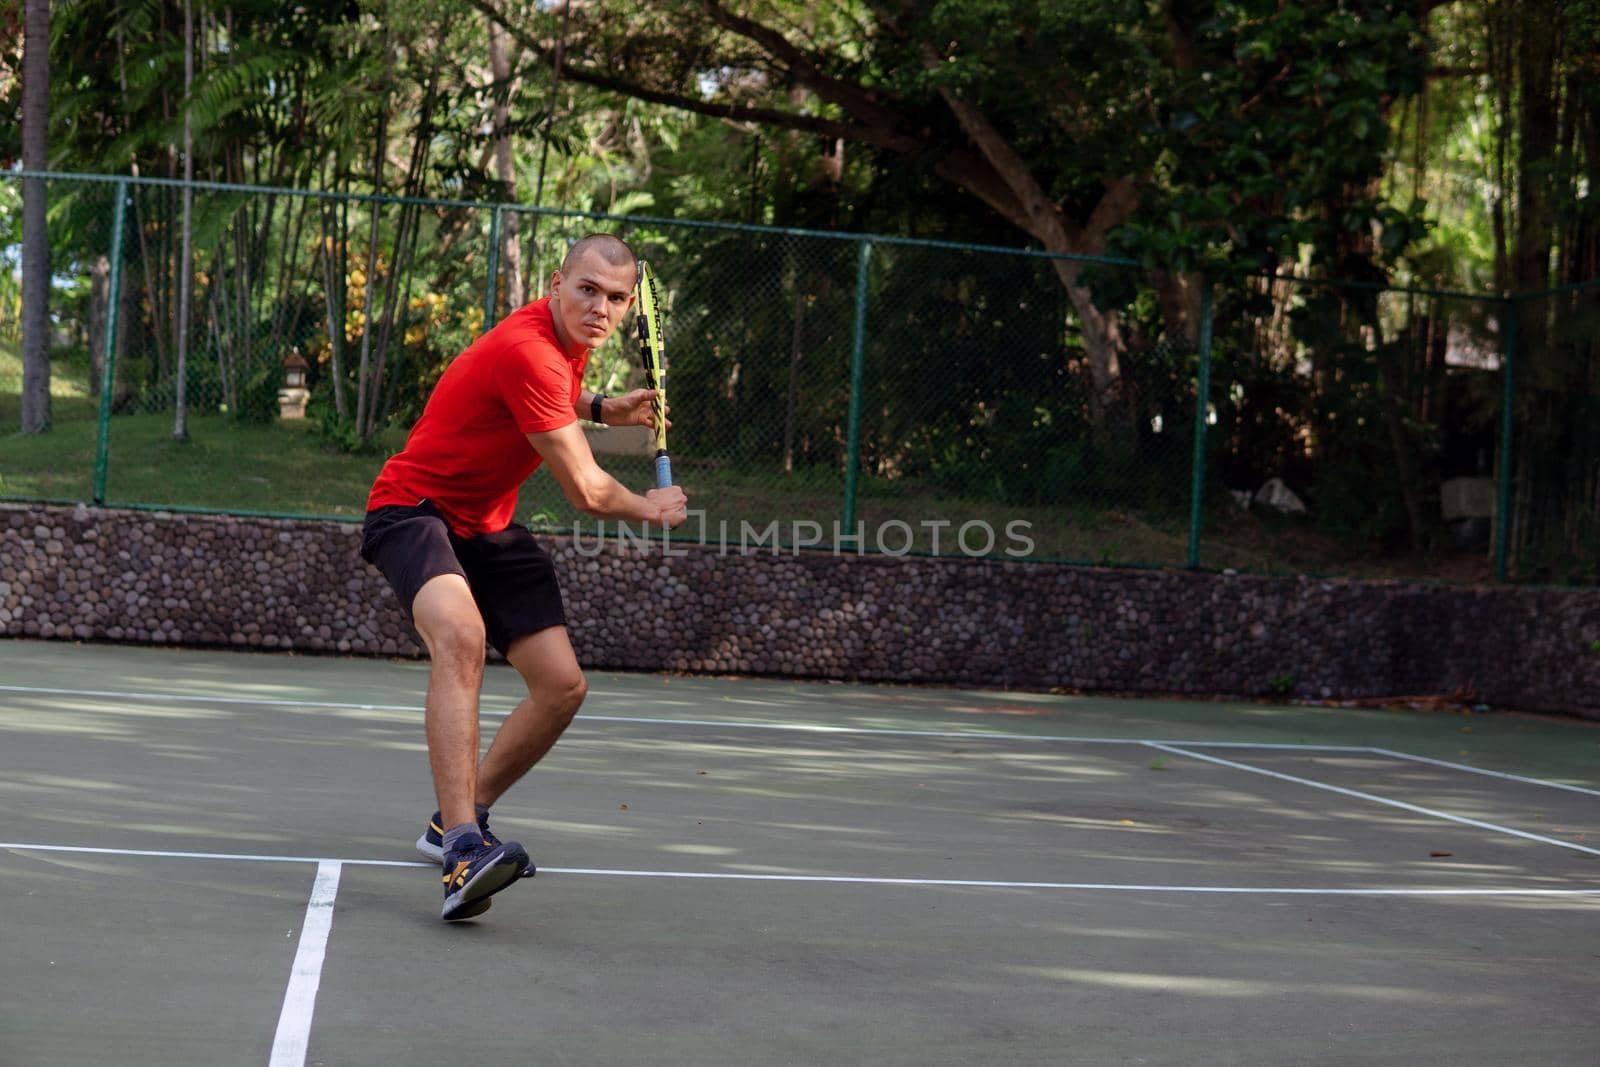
point(673, 503)
point(632, 409)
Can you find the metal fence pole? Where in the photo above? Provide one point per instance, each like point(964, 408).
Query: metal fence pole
point(857, 364)
point(1202, 411)
point(102, 452)
point(491, 291)
point(1508, 394)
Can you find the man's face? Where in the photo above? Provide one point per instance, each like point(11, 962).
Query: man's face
point(590, 299)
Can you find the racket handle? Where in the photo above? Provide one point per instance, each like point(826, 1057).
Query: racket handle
point(663, 470)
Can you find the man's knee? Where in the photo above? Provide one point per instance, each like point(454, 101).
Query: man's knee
point(564, 696)
point(579, 690)
point(457, 642)
point(447, 618)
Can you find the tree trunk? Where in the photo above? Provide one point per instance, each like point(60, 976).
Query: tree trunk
point(1363, 328)
point(180, 421)
point(792, 398)
point(1500, 29)
point(381, 144)
point(505, 171)
point(1179, 295)
point(99, 315)
point(35, 239)
point(333, 292)
point(1536, 146)
point(1103, 342)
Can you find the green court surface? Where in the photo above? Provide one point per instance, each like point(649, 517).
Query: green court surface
point(206, 858)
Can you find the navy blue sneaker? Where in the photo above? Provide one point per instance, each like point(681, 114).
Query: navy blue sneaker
point(431, 844)
point(474, 872)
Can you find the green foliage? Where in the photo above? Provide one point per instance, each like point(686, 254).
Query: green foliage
point(1270, 142)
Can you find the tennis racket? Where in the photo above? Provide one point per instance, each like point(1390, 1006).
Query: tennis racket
point(654, 358)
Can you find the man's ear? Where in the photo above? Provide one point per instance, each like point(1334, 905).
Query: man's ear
point(555, 282)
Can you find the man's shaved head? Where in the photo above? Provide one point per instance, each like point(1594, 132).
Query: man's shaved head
point(610, 248)
point(592, 291)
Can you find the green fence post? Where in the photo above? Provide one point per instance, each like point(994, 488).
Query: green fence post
point(1202, 411)
point(102, 451)
point(491, 294)
point(857, 363)
point(1508, 395)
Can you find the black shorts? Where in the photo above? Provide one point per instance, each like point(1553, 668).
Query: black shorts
point(511, 577)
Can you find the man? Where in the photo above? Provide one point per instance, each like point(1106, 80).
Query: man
point(439, 527)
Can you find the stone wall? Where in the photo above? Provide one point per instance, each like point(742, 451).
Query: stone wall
point(80, 573)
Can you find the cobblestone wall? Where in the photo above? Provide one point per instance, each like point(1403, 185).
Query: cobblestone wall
point(209, 580)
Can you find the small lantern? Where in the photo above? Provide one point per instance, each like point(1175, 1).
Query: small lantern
point(294, 370)
point(293, 396)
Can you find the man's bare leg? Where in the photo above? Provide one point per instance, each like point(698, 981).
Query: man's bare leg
point(556, 688)
point(447, 618)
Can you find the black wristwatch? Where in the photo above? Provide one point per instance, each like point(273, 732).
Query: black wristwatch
point(594, 408)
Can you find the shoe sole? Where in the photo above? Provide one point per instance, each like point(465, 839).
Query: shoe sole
point(430, 851)
point(469, 911)
point(472, 899)
point(435, 854)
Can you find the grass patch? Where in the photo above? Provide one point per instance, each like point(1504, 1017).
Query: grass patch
point(69, 372)
point(225, 465)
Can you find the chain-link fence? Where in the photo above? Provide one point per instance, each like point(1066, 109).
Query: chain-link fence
point(854, 392)
point(1552, 497)
point(1355, 428)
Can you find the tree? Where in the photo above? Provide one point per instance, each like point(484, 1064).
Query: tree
point(1070, 122)
point(35, 237)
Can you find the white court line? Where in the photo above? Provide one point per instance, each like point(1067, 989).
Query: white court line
point(1478, 770)
point(300, 999)
point(238, 857)
point(1432, 813)
point(839, 879)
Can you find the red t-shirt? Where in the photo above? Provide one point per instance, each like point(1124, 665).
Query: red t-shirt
point(469, 454)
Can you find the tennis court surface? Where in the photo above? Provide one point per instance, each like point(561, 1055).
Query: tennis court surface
point(206, 858)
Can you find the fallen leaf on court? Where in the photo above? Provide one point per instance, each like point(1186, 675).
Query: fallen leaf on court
point(700, 772)
point(1129, 822)
point(622, 807)
point(1437, 854)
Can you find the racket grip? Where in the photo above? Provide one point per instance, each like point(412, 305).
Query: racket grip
point(663, 471)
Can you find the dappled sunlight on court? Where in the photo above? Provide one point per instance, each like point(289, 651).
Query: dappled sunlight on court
point(544, 828)
point(698, 850)
point(1078, 822)
point(44, 783)
point(1222, 986)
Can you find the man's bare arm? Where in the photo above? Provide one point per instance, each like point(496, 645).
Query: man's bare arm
point(594, 492)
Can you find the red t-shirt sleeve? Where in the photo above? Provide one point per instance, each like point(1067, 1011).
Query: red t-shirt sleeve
point(539, 389)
